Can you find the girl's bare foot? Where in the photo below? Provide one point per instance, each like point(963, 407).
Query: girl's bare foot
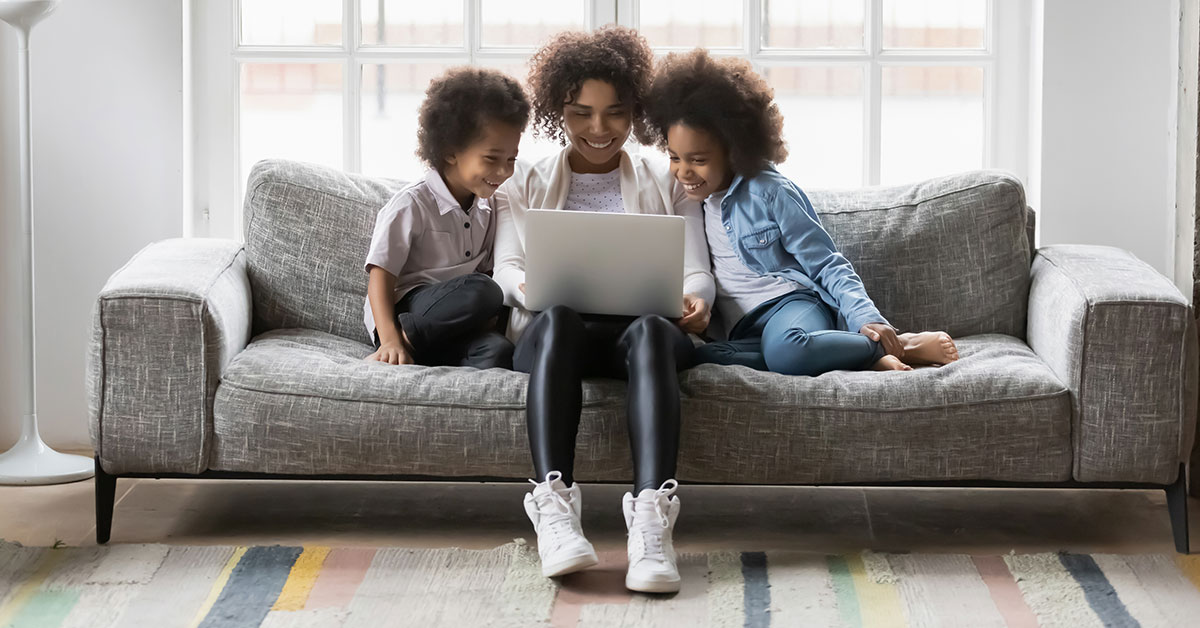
point(890, 363)
point(928, 347)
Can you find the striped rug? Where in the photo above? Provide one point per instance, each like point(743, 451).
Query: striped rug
point(165, 586)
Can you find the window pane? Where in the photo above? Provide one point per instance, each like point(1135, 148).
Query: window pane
point(291, 22)
point(291, 111)
point(932, 122)
point(813, 24)
point(934, 23)
point(822, 123)
point(691, 23)
point(391, 95)
point(528, 23)
point(412, 23)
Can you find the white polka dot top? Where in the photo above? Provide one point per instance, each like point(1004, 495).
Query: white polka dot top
point(596, 192)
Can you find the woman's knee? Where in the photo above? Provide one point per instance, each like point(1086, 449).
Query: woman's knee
point(790, 353)
point(654, 333)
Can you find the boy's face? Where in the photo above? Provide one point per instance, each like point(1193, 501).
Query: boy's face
point(597, 123)
point(484, 164)
point(698, 161)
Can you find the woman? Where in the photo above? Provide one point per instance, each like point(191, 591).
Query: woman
point(587, 92)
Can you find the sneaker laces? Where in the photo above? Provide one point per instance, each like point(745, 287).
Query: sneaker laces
point(652, 536)
point(556, 516)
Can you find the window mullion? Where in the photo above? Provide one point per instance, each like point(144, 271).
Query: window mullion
point(873, 135)
point(351, 89)
point(473, 11)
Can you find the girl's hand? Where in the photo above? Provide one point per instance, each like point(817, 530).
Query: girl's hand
point(391, 353)
point(521, 287)
point(886, 335)
point(696, 314)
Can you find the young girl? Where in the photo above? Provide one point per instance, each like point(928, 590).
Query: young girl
point(428, 299)
point(793, 303)
point(587, 91)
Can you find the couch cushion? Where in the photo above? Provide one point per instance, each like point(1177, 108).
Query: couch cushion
point(308, 229)
point(305, 402)
point(951, 253)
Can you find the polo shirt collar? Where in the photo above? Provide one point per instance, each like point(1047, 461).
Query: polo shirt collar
point(445, 200)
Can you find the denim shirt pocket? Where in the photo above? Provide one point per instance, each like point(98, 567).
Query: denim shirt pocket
point(765, 246)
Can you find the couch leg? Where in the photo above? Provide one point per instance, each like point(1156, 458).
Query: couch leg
point(1177, 505)
point(106, 493)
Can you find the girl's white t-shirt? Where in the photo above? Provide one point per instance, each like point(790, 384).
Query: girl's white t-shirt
point(596, 192)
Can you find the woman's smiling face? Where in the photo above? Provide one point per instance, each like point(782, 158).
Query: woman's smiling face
point(597, 124)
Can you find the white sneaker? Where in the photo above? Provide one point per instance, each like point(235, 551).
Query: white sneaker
point(554, 510)
point(650, 518)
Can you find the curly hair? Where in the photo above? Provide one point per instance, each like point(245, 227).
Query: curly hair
point(457, 106)
point(724, 97)
point(614, 54)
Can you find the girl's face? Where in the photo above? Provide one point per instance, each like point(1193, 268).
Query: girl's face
point(480, 167)
point(698, 161)
point(596, 124)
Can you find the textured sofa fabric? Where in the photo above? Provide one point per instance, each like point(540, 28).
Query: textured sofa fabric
point(1077, 366)
point(164, 328)
point(1123, 338)
point(302, 402)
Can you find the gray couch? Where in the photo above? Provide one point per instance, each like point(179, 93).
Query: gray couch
point(214, 358)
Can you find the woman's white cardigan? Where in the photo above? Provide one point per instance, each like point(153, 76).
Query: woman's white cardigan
point(647, 187)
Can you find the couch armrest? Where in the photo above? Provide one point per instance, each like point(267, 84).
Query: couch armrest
point(1123, 339)
point(164, 328)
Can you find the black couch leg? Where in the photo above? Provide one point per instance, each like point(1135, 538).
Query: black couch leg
point(106, 493)
point(1177, 506)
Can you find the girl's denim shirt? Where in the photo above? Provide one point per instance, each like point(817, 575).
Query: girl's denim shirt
point(775, 231)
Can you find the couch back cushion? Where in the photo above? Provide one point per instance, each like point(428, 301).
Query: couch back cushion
point(950, 253)
point(307, 230)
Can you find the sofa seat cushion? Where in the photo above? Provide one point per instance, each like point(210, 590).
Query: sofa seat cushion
point(304, 402)
point(998, 413)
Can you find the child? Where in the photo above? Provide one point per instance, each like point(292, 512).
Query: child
point(429, 300)
point(792, 299)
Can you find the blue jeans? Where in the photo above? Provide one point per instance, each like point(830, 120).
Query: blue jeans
point(795, 334)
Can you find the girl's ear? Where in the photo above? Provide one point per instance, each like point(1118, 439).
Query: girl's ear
point(452, 160)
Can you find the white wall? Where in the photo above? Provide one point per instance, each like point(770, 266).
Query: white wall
point(107, 164)
point(1106, 125)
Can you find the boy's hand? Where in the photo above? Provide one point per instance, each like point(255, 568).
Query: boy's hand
point(696, 314)
point(886, 335)
point(392, 353)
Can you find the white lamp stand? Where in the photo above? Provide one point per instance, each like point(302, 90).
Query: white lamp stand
point(30, 461)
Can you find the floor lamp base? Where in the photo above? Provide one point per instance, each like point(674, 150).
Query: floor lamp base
point(32, 462)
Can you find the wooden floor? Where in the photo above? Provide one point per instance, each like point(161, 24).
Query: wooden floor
point(482, 515)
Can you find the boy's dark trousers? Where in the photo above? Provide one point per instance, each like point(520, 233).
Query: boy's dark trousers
point(451, 323)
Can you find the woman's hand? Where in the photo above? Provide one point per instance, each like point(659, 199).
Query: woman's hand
point(885, 335)
point(392, 353)
point(696, 314)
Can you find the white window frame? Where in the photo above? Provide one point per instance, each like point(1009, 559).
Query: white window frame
point(215, 57)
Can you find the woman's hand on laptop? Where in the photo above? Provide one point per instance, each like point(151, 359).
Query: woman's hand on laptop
point(696, 314)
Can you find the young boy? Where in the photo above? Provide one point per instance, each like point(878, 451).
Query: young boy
point(429, 300)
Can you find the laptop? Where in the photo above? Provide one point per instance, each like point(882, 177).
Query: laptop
point(604, 263)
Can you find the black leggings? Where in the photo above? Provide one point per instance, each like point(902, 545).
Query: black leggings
point(560, 348)
point(447, 323)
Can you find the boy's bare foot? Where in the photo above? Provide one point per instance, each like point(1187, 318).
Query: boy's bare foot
point(928, 347)
point(890, 363)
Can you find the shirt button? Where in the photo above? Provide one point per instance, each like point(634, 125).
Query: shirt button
point(468, 254)
point(727, 227)
point(466, 225)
